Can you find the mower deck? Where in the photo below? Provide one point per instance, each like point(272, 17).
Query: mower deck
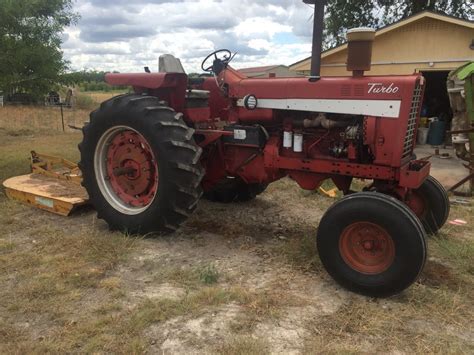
point(54, 185)
point(48, 193)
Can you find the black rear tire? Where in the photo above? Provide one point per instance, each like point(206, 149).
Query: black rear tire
point(435, 205)
point(234, 190)
point(379, 266)
point(178, 170)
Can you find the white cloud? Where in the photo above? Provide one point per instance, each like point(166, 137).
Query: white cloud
point(127, 35)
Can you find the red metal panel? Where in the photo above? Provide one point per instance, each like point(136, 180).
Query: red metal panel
point(367, 88)
point(219, 105)
point(414, 174)
point(146, 80)
point(198, 114)
point(332, 166)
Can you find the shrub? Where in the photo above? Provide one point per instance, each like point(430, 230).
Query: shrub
point(209, 275)
point(85, 102)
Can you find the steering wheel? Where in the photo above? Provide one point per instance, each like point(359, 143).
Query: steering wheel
point(223, 60)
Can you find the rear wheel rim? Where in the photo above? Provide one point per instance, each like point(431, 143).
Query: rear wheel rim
point(367, 248)
point(126, 170)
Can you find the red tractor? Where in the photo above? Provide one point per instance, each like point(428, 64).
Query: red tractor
point(148, 157)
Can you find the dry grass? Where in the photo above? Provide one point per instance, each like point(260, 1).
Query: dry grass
point(243, 346)
point(115, 329)
point(15, 149)
point(47, 276)
point(424, 320)
point(186, 277)
point(64, 290)
point(301, 252)
point(24, 120)
point(99, 96)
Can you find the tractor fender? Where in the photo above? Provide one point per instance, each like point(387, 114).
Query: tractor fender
point(147, 80)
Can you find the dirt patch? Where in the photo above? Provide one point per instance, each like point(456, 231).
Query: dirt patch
point(436, 274)
point(183, 335)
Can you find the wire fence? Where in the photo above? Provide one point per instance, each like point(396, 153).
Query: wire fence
point(41, 118)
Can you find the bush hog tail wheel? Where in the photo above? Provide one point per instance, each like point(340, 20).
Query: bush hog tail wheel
point(234, 190)
point(140, 165)
point(372, 244)
point(430, 202)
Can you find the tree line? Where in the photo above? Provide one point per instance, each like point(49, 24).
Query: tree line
point(31, 59)
point(343, 15)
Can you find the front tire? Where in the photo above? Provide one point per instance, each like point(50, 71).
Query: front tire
point(372, 244)
point(140, 165)
point(430, 202)
point(234, 190)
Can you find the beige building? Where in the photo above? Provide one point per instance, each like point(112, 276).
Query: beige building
point(279, 71)
point(427, 43)
point(424, 42)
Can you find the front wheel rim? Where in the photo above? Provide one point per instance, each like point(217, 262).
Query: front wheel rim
point(126, 170)
point(367, 248)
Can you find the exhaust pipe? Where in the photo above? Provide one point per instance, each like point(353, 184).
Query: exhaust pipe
point(318, 27)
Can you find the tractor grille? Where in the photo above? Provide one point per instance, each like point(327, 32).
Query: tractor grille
point(412, 121)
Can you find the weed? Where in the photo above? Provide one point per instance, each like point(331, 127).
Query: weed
point(19, 132)
point(243, 346)
point(209, 274)
point(301, 252)
point(181, 276)
point(6, 246)
point(459, 252)
point(85, 102)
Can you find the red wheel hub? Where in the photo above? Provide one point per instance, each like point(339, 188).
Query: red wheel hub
point(132, 169)
point(367, 248)
point(417, 204)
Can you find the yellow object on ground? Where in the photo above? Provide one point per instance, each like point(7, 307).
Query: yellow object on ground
point(54, 185)
point(330, 193)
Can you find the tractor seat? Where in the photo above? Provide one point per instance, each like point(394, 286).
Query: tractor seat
point(170, 64)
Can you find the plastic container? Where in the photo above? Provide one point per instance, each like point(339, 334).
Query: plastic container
point(424, 122)
point(437, 132)
point(422, 137)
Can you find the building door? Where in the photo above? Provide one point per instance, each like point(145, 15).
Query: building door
point(436, 103)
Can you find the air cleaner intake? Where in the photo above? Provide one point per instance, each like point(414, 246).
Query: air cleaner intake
point(359, 52)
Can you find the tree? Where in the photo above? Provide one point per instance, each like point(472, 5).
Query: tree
point(342, 15)
point(31, 59)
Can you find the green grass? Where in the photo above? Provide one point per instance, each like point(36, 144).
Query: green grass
point(460, 253)
point(209, 274)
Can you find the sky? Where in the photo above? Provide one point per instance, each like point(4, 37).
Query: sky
point(127, 35)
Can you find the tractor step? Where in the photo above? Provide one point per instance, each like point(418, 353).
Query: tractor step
point(54, 186)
